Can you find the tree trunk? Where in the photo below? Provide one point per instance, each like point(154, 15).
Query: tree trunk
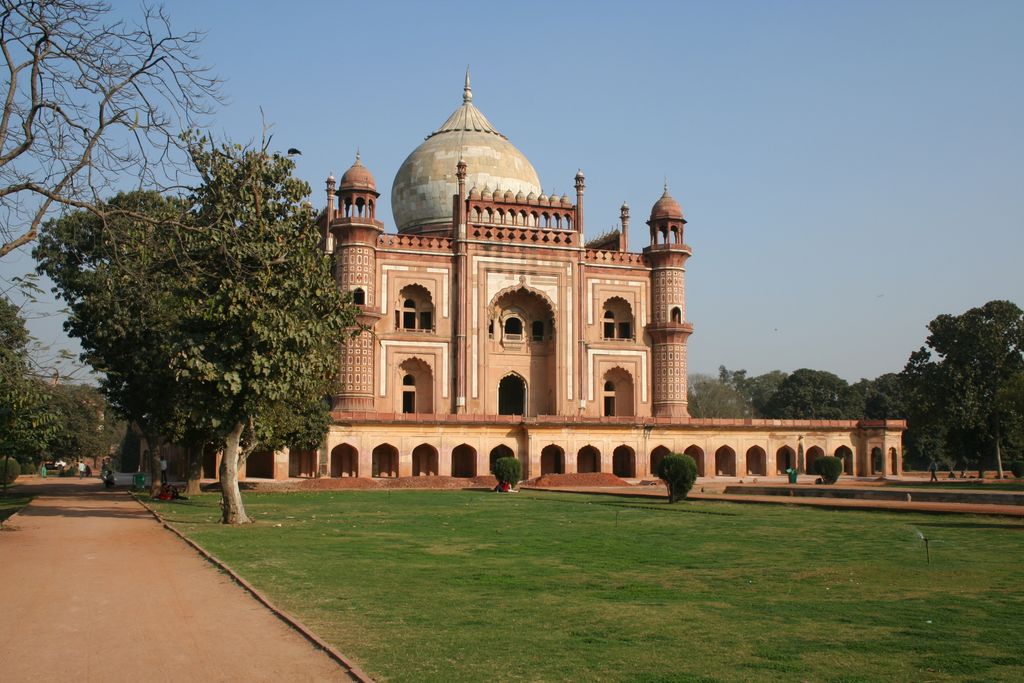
point(195, 470)
point(999, 453)
point(233, 512)
point(154, 467)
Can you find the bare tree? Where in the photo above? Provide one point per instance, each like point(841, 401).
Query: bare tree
point(90, 103)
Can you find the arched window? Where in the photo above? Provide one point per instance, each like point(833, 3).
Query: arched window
point(513, 328)
point(408, 394)
point(677, 315)
point(618, 319)
point(537, 330)
point(609, 399)
point(417, 310)
point(359, 296)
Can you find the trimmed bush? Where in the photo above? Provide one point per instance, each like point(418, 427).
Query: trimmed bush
point(1017, 467)
point(508, 470)
point(829, 468)
point(9, 470)
point(28, 468)
point(678, 471)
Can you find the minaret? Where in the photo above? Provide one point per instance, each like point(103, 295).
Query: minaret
point(668, 328)
point(354, 228)
point(624, 218)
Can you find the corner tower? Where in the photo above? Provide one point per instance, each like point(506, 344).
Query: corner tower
point(352, 232)
point(668, 328)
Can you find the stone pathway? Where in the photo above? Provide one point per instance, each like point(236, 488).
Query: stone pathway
point(93, 588)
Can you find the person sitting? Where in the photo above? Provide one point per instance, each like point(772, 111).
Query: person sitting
point(165, 492)
point(176, 494)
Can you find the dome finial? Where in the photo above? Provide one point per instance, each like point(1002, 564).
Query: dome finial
point(358, 162)
point(666, 185)
point(467, 91)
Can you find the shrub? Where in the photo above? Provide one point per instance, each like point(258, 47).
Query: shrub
point(28, 467)
point(9, 470)
point(678, 472)
point(508, 470)
point(829, 468)
point(1017, 467)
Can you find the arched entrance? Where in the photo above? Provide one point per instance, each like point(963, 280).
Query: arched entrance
point(811, 459)
point(588, 459)
point(500, 451)
point(846, 455)
point(385, 461)
point(624, 462)
point(876, 460)
point(424, 461)
point(552, 460)
point(260, 465)
point(657, 455)
point(785, 459)
point(757, 461)
point(344, 461)
point(464, 461)
point(894, 462)
point(697, 453)
point(512, 395)
point(725, 462)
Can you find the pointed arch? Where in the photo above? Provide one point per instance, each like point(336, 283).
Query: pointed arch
point(657, 455)
point(725, 462)
point(344, 461)
point(588, 459)
point(464, 461)
point(757, 461)
point(624, 462)
point(384, 461)
point(552, 460)
point(697, 453)
point(424, 461)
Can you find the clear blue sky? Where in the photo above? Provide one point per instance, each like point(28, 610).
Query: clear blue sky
point(849, 170)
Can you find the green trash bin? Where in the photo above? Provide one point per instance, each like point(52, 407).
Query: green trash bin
point(139, 480)
point(792, 475)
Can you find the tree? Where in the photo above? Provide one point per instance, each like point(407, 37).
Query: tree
point(958, 377)
point(756, 391)
point(87, 103)
point(121, 280)
point(508, 470)
point(26, 421)
point(678, 472)
point(813, 395)
point(263, 318)
point(709, 396)
point(86, 425)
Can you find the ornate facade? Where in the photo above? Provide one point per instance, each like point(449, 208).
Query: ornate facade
point(498, 329)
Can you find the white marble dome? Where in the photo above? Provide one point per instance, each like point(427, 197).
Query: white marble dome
point(421, 196)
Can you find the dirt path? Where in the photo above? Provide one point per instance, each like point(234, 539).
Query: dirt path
point(92, 588)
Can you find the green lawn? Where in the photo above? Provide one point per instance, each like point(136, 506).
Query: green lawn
point(11, 503)
point(964, 484)
point(473, 586)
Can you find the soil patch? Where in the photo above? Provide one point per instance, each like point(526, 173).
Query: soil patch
point(345, 483)
point(588, 479)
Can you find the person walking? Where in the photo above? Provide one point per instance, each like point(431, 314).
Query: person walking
point(933, 467)
point(163, 469)
point(81, 469)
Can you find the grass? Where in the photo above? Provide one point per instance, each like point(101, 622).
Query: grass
point(469, 586)
point(964, 484)
point(11, 502)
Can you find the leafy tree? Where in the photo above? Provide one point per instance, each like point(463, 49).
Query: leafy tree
point(264, 318)
point(884, 398)
point(89, 102)
point(829, 467)
point(121, 280)
point(814, 395)
point(85, 426)
point(960, 378)
point(678, 471)
point(26, 422)
point(756, 391)
point(711, 397)
point(508, 470)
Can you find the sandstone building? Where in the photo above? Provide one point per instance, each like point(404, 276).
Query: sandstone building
point(500, 329)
